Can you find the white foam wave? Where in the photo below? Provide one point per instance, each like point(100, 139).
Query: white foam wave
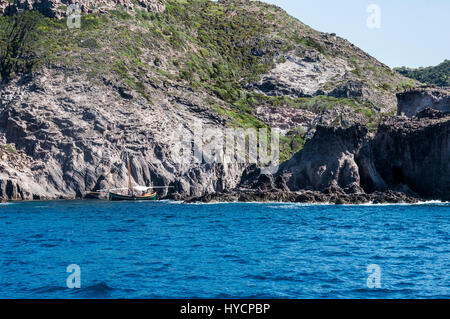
point(284, 205)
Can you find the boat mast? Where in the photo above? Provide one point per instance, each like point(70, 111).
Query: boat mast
point(130, 186)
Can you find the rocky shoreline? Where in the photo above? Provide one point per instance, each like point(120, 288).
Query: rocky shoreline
point(405, 162)
point(332, 197)
point(306, 197)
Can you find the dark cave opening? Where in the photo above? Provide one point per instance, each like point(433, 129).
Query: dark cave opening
point(397, 175)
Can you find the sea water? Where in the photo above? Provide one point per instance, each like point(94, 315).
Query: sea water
point(175, 250)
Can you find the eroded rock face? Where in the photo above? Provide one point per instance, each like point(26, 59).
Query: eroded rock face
point(67, 136)
point(415, 153)
point(60, 136)
point(408, 156)
point(286, 119)
point(58, 8)
point(411, 102)
point(311, 72)
point(328, 160)
point(300, 77)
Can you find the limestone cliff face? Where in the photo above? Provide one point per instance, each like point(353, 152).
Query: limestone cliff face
point(412, 102)
point(58, 8)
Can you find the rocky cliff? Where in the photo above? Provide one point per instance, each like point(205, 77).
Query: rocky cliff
point(412, 102)
point(328, 160)
point(70, 138)
point(414, 154)
point(407, 156)
point(75, 101)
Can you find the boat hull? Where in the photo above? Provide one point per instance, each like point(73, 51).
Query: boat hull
point(119, 197)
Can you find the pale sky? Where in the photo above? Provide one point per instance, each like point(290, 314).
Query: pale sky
point(412, 33)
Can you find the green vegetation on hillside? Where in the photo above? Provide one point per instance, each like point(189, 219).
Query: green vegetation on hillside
point(215, 49)
point(438, 75)
point(23, 40)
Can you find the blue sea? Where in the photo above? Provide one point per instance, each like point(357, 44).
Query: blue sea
point(174, 250)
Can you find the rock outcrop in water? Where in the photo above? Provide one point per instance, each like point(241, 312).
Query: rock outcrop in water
point(414, 154)
point(328, 160)
point(407, 160)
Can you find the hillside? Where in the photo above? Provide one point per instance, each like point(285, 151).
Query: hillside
point(73, 100)
point(438, 75)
